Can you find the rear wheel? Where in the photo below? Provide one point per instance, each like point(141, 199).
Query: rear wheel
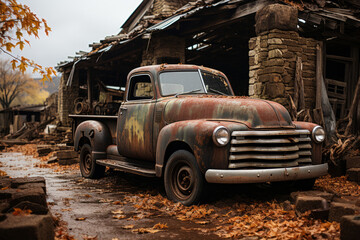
point(88, 166)
point(183, 179)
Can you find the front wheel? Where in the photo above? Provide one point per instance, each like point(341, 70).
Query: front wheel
point(88, 166)
point(183, 179)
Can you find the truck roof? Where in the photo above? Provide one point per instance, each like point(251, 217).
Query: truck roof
point(162, 67)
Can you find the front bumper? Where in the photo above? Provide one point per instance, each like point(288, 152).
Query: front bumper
point(265, 175)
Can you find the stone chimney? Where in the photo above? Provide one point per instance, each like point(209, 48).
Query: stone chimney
point(167, 7)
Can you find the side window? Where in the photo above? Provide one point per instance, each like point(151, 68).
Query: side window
point(140, 88)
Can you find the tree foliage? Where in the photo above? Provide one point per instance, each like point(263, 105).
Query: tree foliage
point(18, 88)
point(17, 22)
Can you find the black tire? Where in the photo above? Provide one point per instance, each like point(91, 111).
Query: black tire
point(183, 179)
point(88, 166)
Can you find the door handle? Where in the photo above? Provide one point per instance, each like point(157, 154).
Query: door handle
point(122, 109)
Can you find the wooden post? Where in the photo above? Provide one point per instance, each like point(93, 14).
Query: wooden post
point(319, 67)
point(299, 98)
point(318, 113)
point(351, 126)
point(89, 87)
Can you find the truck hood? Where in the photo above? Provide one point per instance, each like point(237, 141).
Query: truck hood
point(254, 113)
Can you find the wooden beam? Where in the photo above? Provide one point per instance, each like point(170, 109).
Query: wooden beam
point(299, 98)
point(89, 86)
point(229, 17)
point(318, 113)
point(319, 67)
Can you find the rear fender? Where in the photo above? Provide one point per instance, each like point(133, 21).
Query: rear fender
point(97, 133)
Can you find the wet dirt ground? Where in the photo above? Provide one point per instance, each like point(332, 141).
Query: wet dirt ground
point(126, 206)
point(87, 205)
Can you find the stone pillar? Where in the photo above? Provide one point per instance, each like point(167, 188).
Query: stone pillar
point(273, 53)
point(164, 49)
point(66, 97)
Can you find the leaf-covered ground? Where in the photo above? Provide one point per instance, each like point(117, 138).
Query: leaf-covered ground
point(239, 213)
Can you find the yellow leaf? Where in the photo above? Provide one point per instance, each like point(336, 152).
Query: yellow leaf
point(21, 45)
point(160, 226)
point(20, 212)
point(9, 46)
point(145, 230)
point(128, 227)
point(119, 211)
point(119, 216)
point(13, 64)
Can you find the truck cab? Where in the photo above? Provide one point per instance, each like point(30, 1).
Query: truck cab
point(183, 123)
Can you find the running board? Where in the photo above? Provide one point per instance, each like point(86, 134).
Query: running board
point(129, 166)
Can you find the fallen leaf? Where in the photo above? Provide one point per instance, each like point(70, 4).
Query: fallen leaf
point(145, 230)
point(20, 212)
point(119, 216)
point(128, 227)
point(202, 222)
point(80, 219)
point(86, 237)
point(119, 211)
point(66, 209)
point(160, 226)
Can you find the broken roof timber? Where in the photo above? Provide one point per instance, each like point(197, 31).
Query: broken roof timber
point(215, 14)
point(136, 16)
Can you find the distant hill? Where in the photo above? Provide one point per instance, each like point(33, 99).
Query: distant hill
point(53, 86)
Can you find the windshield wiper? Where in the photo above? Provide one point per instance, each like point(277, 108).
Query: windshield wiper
point(216, 91)
point(188, 92)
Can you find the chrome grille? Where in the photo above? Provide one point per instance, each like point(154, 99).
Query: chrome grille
point(265, 149)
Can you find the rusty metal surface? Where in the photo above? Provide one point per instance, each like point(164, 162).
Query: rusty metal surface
point(254, 113)
point(197, 136)
point(94, 132)
point(266, 149)
point(266, 175)
point(152, 129)
point(316, 155)
point(135, 129)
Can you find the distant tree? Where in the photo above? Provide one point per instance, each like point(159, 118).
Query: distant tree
point(16, 87)
point(16, 20)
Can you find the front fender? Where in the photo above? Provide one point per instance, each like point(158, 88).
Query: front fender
point(316, 147)
point(97, 133)
point(197, 134)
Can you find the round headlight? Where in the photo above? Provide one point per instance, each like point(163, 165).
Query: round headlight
point(221, 136)
point(318, 134)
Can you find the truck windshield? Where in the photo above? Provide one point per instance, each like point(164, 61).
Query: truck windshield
point(172, 83)
point(177, 83)
point(215, 84)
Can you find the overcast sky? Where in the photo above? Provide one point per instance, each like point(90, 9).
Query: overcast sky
point(75, 24)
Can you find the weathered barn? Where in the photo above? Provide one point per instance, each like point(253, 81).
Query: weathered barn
point(267, 48)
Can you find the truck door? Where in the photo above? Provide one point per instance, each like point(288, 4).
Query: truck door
point(135, 123)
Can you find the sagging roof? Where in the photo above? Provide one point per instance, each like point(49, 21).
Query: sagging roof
point(312, 13)
point(30, 108)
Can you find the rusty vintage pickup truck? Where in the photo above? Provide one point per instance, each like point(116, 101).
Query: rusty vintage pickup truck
point(183, 123)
